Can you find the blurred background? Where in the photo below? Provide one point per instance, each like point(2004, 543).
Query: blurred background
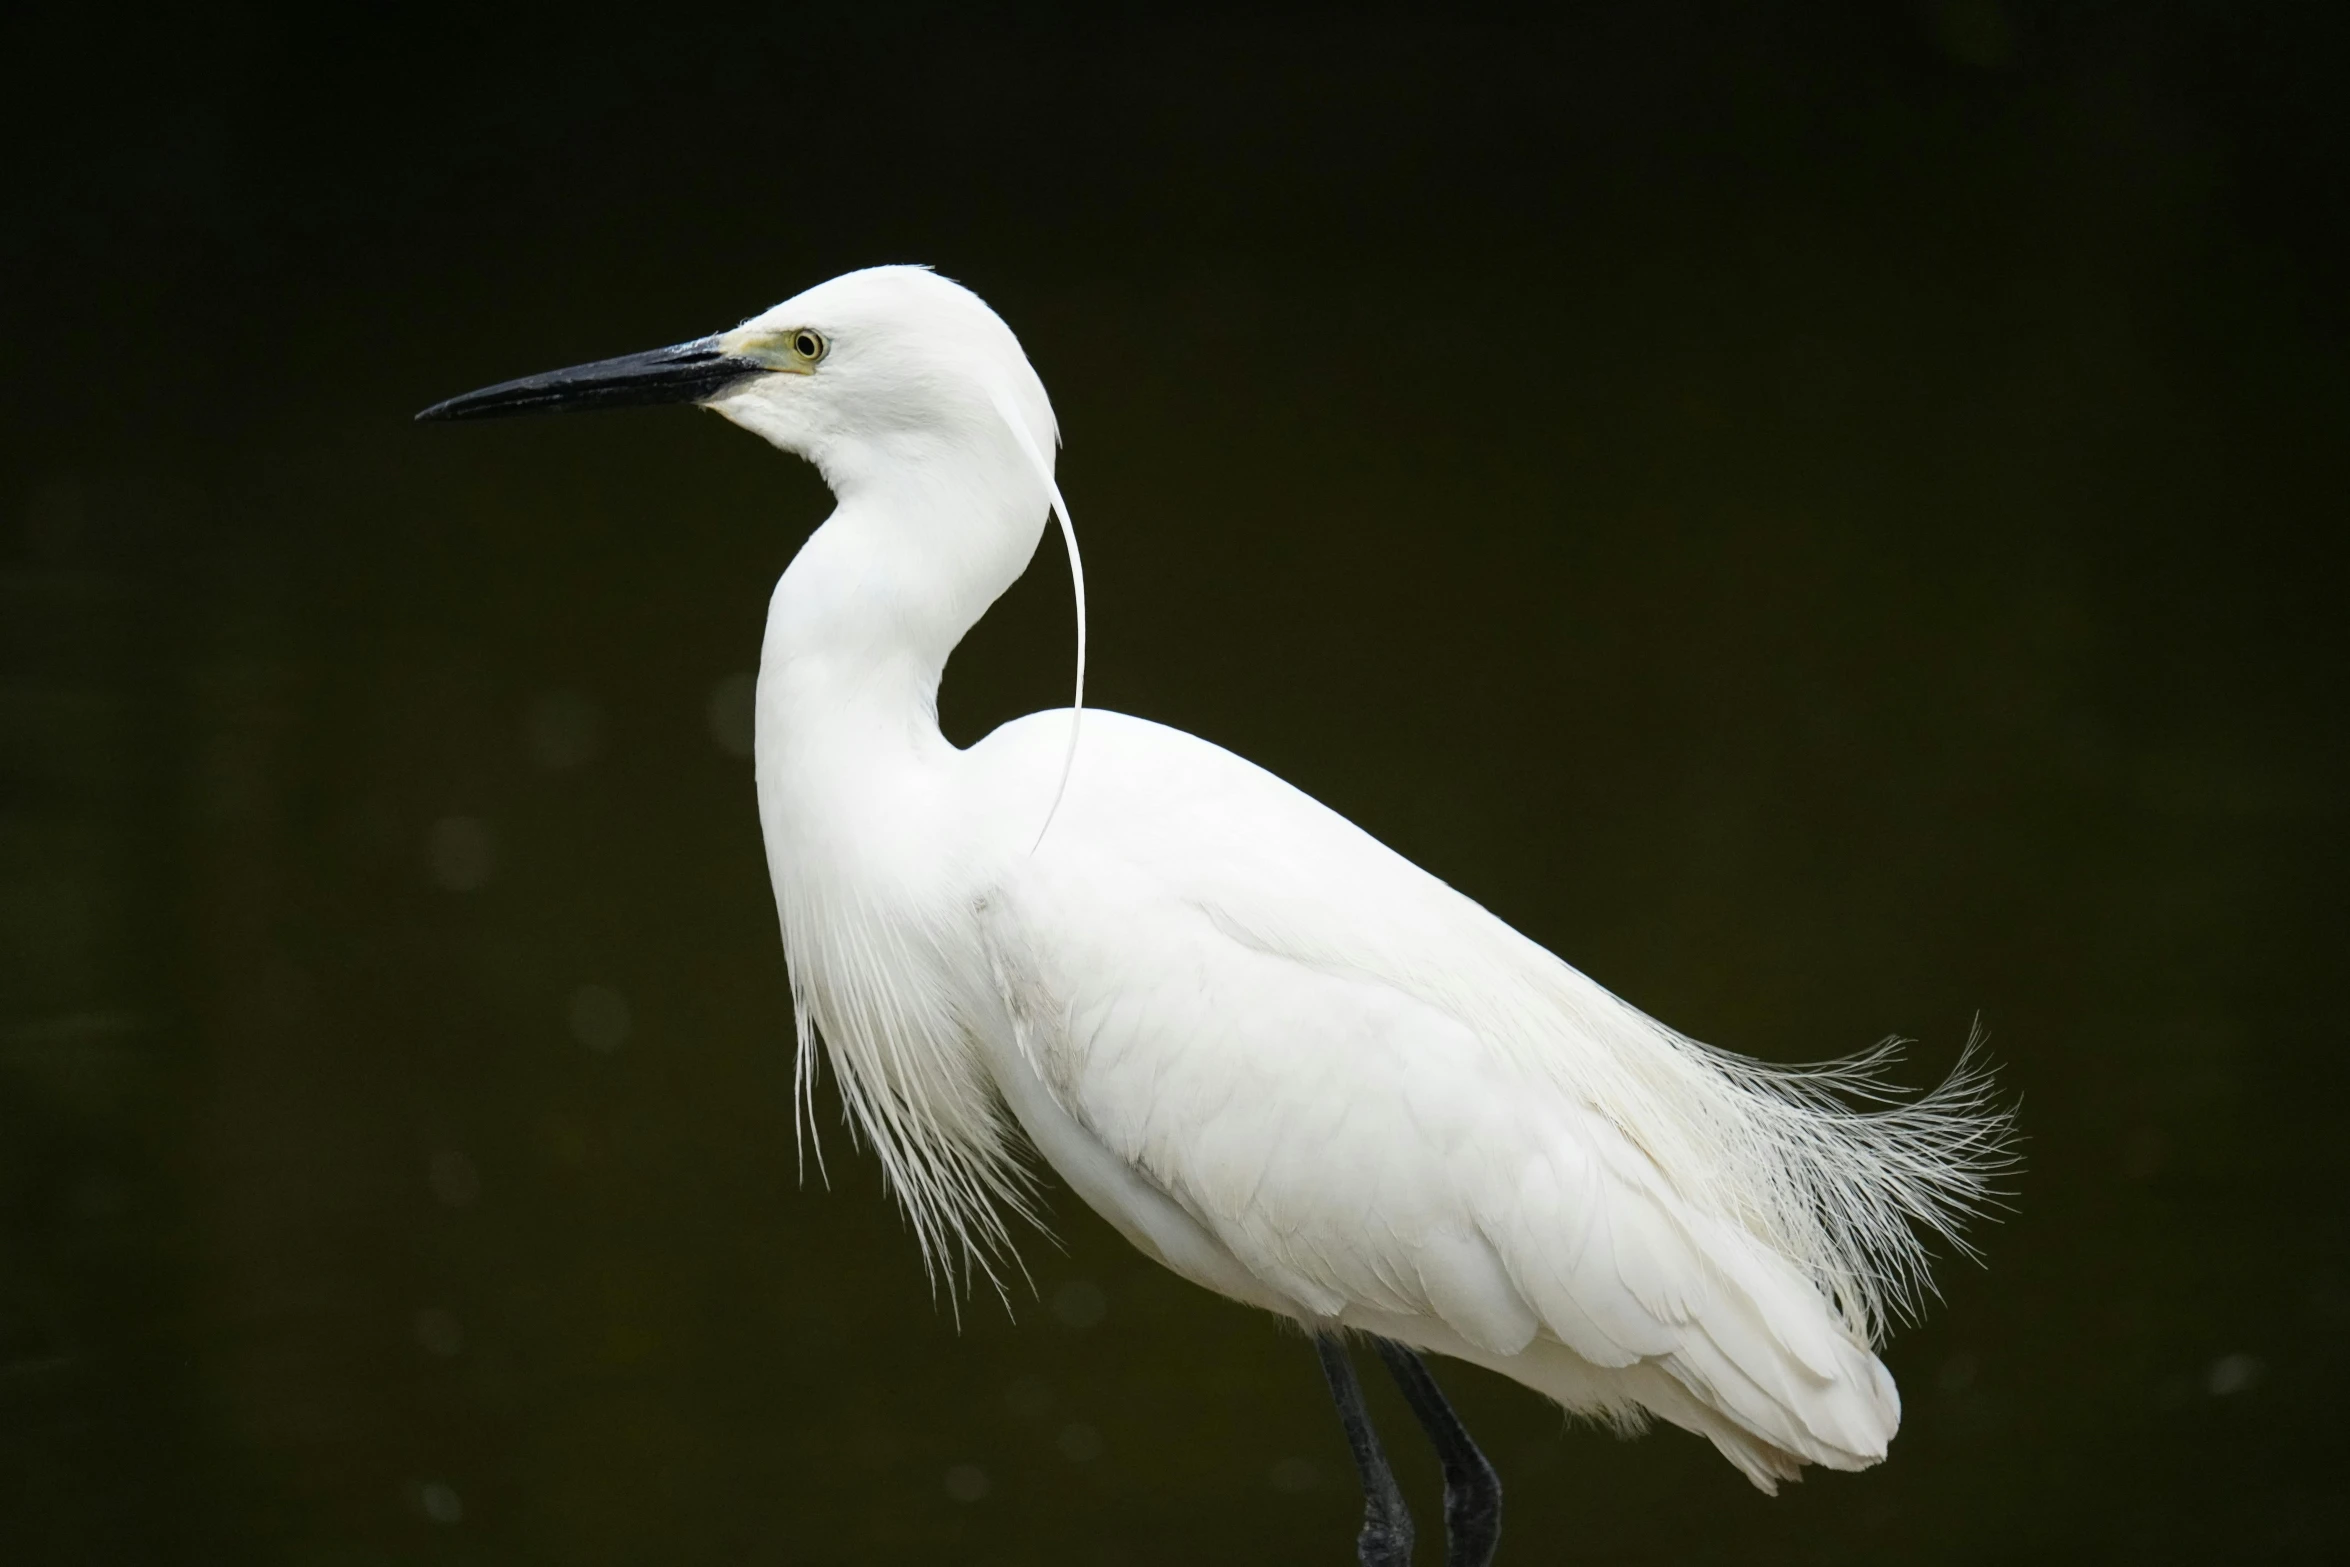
point(1829, 517)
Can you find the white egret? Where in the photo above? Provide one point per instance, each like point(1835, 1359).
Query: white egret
point(1281, 1059)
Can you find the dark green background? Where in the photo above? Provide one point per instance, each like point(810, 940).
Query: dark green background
point(1830, 519)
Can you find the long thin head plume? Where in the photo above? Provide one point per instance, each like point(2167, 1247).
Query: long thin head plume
point(1010, 414)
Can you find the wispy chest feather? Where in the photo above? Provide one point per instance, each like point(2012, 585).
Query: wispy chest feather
point(889, 972)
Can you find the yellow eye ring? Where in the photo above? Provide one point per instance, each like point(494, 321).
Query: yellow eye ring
point(808, 345)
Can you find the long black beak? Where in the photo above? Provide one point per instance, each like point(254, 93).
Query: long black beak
point(686, 373)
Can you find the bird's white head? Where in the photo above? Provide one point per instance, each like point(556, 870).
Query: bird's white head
point(877, 368)
point(875, 371)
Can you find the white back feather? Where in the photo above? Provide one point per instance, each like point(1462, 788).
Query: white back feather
point(1825, 1164)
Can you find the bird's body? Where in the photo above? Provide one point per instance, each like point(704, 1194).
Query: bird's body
point(1278, 1057)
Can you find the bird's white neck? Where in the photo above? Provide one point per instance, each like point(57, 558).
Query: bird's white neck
point(929, 531)
point(861, 806)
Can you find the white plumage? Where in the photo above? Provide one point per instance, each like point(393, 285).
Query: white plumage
point(1281, 1059)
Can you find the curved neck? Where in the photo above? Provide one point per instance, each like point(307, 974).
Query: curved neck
point(929, 532)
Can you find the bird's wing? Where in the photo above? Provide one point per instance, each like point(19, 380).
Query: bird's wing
point(1256, 1006)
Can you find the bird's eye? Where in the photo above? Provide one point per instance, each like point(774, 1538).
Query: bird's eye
point(808, 345)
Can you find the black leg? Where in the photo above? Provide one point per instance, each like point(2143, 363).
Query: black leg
point(1386, 1540)
point(1472, 1491)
